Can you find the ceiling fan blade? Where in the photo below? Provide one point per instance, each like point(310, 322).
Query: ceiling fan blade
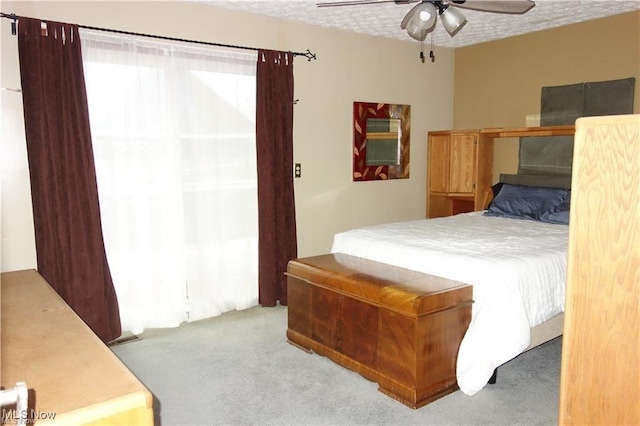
point(515, 7)
point(408, 16)
point(356, 2)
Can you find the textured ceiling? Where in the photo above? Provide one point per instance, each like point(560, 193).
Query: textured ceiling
point(384, 19)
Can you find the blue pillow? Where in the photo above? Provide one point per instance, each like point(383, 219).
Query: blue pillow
point(495, 189)
point(558, 214)
point(526, 202)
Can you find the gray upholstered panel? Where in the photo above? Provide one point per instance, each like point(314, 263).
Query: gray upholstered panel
point(551, 181)
point(609, 97)
point(561, 104)
point(546, 155)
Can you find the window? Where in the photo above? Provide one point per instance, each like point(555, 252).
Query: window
point(173, 129)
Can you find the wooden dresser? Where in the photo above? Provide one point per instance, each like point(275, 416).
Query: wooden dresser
point(73, 375)
point(600, 376)
point(397, 327)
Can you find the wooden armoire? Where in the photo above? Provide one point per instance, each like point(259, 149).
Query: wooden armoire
point(459, 168)
point(600, 376)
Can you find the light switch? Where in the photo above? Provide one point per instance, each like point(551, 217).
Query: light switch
point(297, 170)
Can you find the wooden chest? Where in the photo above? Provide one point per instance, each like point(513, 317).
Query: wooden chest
point(397, 327)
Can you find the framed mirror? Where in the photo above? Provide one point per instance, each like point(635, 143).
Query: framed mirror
point(381, 141)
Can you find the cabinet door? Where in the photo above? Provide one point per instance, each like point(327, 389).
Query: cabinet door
point(462, 163)
point(438, 163)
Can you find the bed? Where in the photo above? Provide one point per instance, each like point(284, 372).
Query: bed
point(514, 255)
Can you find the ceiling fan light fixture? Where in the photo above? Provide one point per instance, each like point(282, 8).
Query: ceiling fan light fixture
point(453, 20)
point(423, 21)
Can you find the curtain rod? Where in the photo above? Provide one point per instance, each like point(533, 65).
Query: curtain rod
point(15, 18)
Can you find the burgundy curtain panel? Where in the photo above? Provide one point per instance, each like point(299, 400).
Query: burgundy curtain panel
point(277, 242)
point(69, 242)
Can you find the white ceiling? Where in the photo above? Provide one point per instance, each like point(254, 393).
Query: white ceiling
point(384, 19)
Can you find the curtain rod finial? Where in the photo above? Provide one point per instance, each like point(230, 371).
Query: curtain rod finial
point(309, 55)
point(13, 23)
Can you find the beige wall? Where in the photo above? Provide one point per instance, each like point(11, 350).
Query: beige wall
point(497, 84)
point(349, 68)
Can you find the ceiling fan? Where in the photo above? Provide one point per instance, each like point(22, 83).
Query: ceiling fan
point(421, 19)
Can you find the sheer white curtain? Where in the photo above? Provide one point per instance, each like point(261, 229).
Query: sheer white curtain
point(173, 129)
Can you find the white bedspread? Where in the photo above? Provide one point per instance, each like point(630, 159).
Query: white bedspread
point(517, 269)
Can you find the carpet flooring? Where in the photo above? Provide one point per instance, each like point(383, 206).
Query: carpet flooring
point(238, 369)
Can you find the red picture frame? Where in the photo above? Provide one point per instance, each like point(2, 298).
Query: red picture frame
point(397, 168)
